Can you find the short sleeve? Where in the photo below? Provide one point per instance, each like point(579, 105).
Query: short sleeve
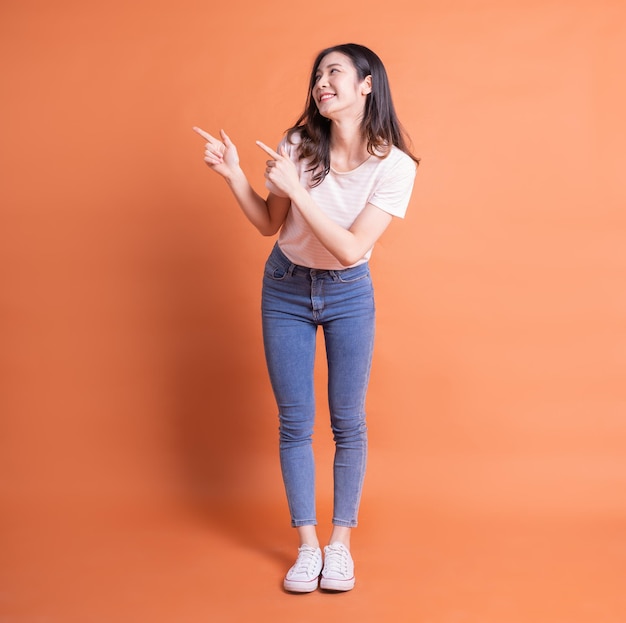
point(393, 191)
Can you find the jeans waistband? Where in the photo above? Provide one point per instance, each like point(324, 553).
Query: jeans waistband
point(277, 255)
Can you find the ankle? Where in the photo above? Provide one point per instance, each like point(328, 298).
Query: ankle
point(308, 536)
point(340, 535)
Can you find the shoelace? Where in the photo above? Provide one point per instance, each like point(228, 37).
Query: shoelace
point(336, 560)
point(306, 560)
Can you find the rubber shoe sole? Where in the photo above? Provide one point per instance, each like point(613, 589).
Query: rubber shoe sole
point(330, 584)
point(299, 586)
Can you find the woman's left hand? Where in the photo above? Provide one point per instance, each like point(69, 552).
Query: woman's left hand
point(280, 171)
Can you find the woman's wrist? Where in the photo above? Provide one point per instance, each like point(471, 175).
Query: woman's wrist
point(299, 196)
point(235, 176)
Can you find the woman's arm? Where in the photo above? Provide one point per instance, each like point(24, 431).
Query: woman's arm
point(347, 245)
point(267, 215)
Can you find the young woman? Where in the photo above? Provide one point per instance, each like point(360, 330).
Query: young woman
point(340, 175)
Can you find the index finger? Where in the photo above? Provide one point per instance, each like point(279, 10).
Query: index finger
point(203, 134)
point(269, 150)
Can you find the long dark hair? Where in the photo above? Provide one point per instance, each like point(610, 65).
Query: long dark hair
point(380, 123)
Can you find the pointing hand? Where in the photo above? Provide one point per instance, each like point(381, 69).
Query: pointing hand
point(220, 155)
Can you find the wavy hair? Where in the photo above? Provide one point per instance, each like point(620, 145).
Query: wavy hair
point(380, 124)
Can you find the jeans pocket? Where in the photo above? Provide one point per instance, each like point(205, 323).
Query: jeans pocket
point(275, 270)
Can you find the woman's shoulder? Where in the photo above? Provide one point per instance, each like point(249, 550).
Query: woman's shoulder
point(291, 142)
point(399, 157)
point(294, 136)
point(292, 139)
point(396, 160)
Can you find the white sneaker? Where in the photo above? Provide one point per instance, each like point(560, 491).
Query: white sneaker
point(338, 572)
point(304, 575)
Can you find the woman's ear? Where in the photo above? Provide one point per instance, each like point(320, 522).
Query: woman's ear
point(366, 85)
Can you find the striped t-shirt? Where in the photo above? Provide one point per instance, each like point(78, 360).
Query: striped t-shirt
point(386, 183)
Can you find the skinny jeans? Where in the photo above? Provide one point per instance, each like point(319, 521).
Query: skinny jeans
point(295, 301)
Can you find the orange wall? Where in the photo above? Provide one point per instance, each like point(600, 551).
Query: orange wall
point(130, 341)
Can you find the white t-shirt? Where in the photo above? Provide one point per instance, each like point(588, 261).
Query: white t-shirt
point(386, 183)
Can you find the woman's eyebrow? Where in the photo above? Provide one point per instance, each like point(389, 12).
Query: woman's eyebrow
point(329, 66)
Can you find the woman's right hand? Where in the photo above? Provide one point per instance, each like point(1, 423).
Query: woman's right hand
point(221, 156)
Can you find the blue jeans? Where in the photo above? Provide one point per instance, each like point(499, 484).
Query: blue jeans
point(295, 301)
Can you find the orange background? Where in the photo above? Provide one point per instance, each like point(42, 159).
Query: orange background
point(139, 477)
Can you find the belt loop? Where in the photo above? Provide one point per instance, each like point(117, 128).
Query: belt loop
point(291, 269)
point(333, 274)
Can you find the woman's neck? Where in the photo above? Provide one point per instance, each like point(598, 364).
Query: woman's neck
point(348, 146)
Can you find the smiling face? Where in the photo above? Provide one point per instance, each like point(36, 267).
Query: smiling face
point(338, 90)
